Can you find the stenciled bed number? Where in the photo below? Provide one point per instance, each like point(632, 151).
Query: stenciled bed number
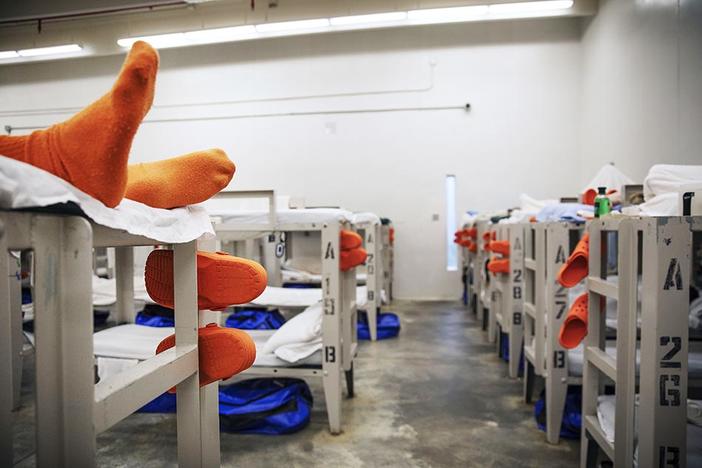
point(330, 354)
point(371, 266)
point(517, 290)
point(329, 306)
point(669, 393)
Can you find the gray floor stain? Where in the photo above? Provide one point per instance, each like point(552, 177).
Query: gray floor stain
point(437, 396)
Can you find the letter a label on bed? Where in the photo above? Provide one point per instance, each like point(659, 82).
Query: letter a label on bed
point(330, 251)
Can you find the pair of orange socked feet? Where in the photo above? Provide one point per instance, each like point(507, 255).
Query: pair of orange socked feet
point(91, 151)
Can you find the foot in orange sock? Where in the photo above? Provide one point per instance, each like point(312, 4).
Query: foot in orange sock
point(184, 180)
point(574, 327)
point(352, 258)
point(222, 352)
point(222, 279)
point(90, 149)
point(576, 268)
point(349, 240)
point(498, 265)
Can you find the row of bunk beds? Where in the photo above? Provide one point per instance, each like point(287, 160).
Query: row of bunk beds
point(634, 364)
point(62, 251)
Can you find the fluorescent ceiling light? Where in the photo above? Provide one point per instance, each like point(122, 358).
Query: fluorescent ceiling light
point(62, 49)
point(368, 19)
point(529, 7)
point(159, 41)
point(293, 25)
point(210, 36)
point(447, 15)
point(7, 54)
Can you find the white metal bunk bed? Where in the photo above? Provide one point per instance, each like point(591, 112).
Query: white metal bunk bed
point(548, 245)
point(388, 259)
point(369, 226)
point(656, 252)
point(70, 408)
point(339, 345)
point(480, 278)
point(507, 299)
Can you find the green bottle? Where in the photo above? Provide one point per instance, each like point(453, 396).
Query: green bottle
point(603, 206)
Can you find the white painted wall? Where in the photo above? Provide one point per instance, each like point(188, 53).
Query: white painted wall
point(522, 80)
point(642, 85)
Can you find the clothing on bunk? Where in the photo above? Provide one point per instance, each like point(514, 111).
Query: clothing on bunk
point(562, 212)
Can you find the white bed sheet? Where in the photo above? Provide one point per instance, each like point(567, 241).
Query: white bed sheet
point(284, 216)
point(123, 346)
point(575, 361)
point(294, 275)
point(606, 415)
point(274, 296)
point(25, 186)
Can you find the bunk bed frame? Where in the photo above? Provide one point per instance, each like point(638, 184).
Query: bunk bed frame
point(388, 261)
point(70, 408)
point(372, 240)
point(659, 248)
point(481, 285)
point(508, 297)
point(339, 301)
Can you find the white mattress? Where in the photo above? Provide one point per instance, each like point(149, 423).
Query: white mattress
point(606, 415)
point(575, 361)
point(25, 186)
point(294, 275)
point(274, 296)
point(124, 346)
point(365, 217)
point(105, 291)
point(284, 216)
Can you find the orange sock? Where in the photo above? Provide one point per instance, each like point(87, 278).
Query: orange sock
point(180, 181)
point(574, 327)
point(576, 268)
point(349, 240)
point(352, 258)
point(498, 265)
point(90, 149)
point(222, 279)
point(222, 353)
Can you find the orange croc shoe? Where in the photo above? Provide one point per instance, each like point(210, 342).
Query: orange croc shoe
point(574, 327)
point(223, 352)
point(501, 247)
point(349, 240)
point(222, 279)
point(498, 265)
point(576, 267)
point(352, 258)
point(472, 232)
point(473, 247)
point(391, 236)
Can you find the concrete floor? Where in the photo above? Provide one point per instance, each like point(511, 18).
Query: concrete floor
point(437, 396)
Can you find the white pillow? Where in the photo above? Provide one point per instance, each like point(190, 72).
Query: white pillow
point(303, 328)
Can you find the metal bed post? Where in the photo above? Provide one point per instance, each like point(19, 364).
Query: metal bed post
point(515, 295)
point(124, 281)
point(63, 326)
point(331, 324)
point(371, 232)
point(556, 372)
point(534, 307)
point(664, 342)
point(15, 295)
point(499, 301)
point(7, 377)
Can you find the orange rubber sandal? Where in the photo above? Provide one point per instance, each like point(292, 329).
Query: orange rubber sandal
point(574, 327)
point(498, 265)
point(576, 267)
point(222, 279)
point(223, 352)
point(352, 258)
point(349, 240)
point(500, 246)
